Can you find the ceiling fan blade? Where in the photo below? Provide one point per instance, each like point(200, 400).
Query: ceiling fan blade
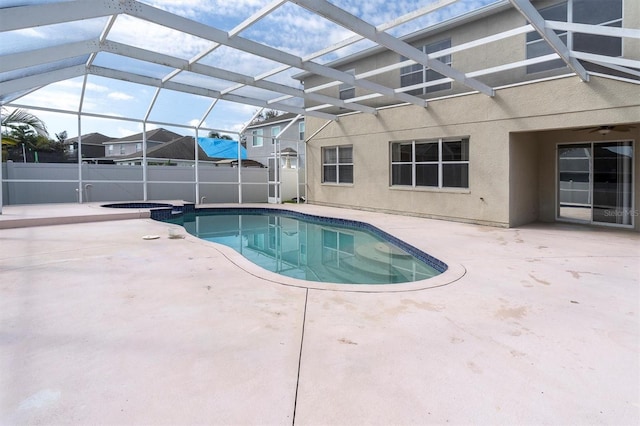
point(623, 128)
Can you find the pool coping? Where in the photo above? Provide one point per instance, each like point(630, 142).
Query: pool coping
point(454, 271)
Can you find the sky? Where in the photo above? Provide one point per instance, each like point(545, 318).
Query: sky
point(289, 28)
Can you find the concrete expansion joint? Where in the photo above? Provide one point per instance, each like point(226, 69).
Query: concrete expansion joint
point(304, 321)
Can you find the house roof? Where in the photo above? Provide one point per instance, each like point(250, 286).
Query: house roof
point(181, 148)
point(155, 135)
point(282, 118)
point(90, 139)
point(221, 148)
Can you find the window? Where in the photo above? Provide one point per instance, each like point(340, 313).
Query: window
point(274, 132)
point(441, 163)
point(301, 130)
point(593, 12)
point(256, 137)
point(417, 74)
point(110, 149)
point(347, 91)
point(138, 146)
point(337, 164)
point(123, 149)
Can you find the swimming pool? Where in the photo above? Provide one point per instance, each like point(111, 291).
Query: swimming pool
point(311, 248)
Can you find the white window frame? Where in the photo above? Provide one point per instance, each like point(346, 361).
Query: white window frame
point(337, 165)
point(123, 149)
point(301, 130)
point(274, 132)
point(256, 138)
point(446, 59)
point(440, 163)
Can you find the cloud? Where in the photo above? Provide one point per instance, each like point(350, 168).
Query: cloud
point(119, 96)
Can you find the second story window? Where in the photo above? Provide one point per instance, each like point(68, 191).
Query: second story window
point(123, 149)
point(256, 137)
point(348, 91)
point(301, 130)
point(138, 146)
point(417, 74)
point(110, 149)
point(592, 12)
point(274, 132)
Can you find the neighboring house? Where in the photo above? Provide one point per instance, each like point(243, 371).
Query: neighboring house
point(181, 152)
point(132, 144)
point(260, 140)
point(547, 146)
point(92, 146)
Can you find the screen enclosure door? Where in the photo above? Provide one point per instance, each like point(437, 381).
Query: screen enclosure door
point(274, 181)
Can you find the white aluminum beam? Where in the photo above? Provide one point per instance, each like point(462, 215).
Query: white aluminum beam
point(21, 17)
point(210, 71)
point(604, 30)
point(20, 60)
point(356, 38)
point(530, 13)
point(345, 19)
point(623, 62)
point(197, 29)
point(200, 91)
point(39, 80)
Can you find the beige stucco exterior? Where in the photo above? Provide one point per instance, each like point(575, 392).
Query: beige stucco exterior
point(513, 138)
point(513, 135)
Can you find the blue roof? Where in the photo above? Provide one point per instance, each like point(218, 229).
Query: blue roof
point(222, 148)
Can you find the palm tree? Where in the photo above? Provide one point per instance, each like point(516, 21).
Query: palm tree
point(19, 118)
point(20, 123)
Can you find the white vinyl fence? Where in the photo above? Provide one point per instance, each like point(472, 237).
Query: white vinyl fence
point(37, 183)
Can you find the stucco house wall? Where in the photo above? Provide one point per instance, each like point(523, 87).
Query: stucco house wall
point(512, 176)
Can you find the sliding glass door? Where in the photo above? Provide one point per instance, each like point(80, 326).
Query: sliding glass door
point(595, 182)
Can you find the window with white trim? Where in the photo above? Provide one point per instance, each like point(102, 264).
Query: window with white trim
point(337, 164)
point(256, 137)
point(416, 74)
point(438, 163)
point(274, 132)
point(123, 149)
point(301, 130)
point(138, 146)
point(593, 12)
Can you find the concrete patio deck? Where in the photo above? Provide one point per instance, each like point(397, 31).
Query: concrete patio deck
point(98, 326)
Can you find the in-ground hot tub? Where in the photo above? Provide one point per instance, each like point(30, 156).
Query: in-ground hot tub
point(137, 205)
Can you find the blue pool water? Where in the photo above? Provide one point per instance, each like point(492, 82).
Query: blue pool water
point(312, 248)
